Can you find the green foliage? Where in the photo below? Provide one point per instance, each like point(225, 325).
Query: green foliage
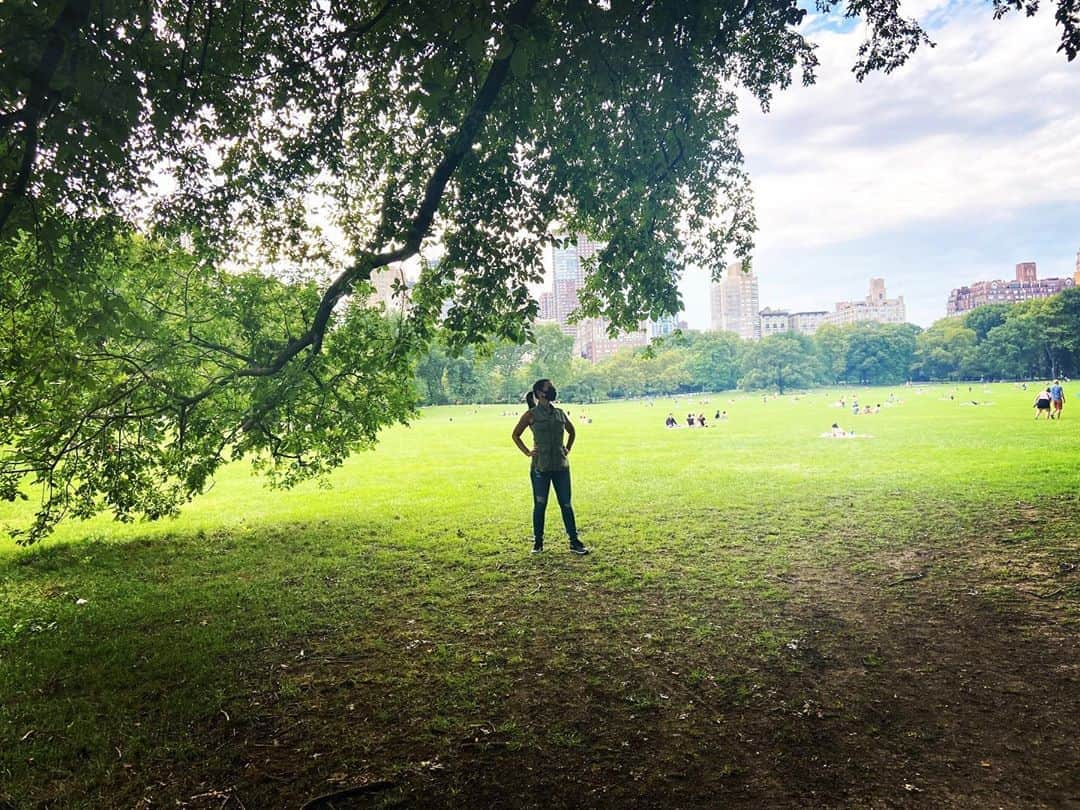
point(550, 353)
point(945, 351)
point(878, 354)
point(831, 345)
point(982, 319)
point(130, 405)
point(714, 360)
point(782, 361)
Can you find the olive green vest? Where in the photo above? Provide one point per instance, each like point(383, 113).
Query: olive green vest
point(547, 427)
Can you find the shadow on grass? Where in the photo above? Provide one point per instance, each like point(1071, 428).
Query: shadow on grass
point(716, 655)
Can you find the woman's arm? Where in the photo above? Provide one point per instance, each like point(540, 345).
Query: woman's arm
point(571, 434)
point(525, 421)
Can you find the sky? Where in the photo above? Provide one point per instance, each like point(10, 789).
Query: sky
point(948, 171)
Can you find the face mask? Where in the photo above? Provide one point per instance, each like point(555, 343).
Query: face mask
point(551, 393)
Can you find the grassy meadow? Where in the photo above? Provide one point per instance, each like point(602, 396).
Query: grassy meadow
point(769, 616)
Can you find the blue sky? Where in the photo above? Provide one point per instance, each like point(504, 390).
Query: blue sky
point(950, 170)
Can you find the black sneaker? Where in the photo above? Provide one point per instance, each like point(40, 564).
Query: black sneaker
point(538, 546)
point(576, 547)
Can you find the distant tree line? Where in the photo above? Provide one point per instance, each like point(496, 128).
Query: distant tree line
point(1037, 339)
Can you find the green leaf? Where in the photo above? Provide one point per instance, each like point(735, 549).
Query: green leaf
point(476, 45)
point(519, 63)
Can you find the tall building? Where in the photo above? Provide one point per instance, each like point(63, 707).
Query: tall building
point(1076, 275)
point(1025, 273)
point(877, 306)
point(567, 278)
point(591, 339)
point(383, 280)
point(1025, 286)
point(546, 311)
point(587, 248)
point(734, 303)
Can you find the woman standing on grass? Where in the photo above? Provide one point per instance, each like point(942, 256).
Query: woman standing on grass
point(550, 466)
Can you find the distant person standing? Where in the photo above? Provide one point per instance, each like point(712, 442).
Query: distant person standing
point(1057, 399)
point(1042, 403)
point(550, 466)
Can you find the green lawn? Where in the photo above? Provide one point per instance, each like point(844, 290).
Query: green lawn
point(749, 581)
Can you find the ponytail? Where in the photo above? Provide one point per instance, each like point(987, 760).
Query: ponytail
point(530, 400)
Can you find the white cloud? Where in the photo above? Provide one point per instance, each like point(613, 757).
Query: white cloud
point(983, 124)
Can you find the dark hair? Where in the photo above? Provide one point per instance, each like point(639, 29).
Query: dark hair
point(538, 386)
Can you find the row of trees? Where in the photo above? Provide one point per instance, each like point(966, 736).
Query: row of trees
point(1029, 340)
point(1033, 339)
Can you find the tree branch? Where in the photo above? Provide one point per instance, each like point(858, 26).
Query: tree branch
point(361, 28)
point(421, 224)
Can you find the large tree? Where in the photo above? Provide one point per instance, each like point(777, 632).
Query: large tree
point(713, 361)
point(879, 353)
point(783, 361)
point(303, 146)
point(945, 351)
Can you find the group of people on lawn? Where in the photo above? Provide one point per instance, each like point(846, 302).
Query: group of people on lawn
point(693, 421)
point(1050, 401)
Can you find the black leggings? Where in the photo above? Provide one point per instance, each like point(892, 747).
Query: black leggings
point(541, 483)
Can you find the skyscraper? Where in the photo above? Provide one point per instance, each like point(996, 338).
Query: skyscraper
point(734, 303)
point(546, 303)
point(568, 277)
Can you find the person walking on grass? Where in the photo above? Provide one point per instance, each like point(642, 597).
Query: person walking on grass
point(550, 466)
point(1057, 399)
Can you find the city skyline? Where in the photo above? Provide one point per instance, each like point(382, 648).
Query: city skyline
point(698, 313)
